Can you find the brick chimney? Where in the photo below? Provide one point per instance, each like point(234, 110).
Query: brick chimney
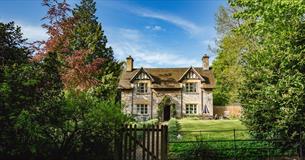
point(129, 64)
point(205, 62)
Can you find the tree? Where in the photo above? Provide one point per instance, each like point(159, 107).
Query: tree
point(227, 64)
point(273, 91)
point(88, 35)
point(30, 93)
point(12, 47)
point(82, 48)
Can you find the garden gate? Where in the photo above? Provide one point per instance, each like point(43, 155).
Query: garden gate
point(145, 143)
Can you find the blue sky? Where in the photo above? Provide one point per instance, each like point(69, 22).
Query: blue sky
point(156, 33)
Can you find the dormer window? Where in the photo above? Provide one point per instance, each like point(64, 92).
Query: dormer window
point(141, 87)
point(190, 87)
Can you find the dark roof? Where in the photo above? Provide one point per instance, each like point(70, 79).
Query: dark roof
point(167, 77)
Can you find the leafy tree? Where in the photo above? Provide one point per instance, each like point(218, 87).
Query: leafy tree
point(93, 123)
point(227, 64)
point(29, 93)
point(273, 90)
point(82, 48)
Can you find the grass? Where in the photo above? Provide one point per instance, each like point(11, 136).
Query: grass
point(217, 133)
point(212, 129)
point(192, 125)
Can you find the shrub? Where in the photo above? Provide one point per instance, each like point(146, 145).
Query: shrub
point(173, 129)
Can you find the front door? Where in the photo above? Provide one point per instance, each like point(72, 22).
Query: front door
point(166, 113)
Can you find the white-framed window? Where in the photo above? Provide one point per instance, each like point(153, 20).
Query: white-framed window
point(142, 109)
point(191, 108)
point(190, 87)
point(141, 87)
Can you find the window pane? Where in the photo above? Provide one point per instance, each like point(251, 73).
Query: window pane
point(190, 87)
point(142, 87)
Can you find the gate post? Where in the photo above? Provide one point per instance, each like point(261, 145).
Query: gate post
point(164, 142)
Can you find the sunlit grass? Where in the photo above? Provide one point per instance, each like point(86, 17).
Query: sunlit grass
point(212, 129)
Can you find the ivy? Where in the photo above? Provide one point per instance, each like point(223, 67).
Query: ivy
point(165, 102)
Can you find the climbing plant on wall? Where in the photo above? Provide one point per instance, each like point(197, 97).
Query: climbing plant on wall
point(166, 101)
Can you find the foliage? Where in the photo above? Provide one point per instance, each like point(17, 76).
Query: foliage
point(166, 102)
point(91, 125)
point(12, 46)
point(41, 121)
point(173, 129)
point(272, 94)
point(81, 45)
point(216, 141)
point(30, 96)
point(226, 66)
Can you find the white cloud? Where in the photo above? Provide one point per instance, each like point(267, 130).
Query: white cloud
point(33, 33)
point(30, 31)
point(154, 28)
point(130, 34)
point(178, 21)
point(146, 55)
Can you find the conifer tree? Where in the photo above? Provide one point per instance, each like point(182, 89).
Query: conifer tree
point(88, 35)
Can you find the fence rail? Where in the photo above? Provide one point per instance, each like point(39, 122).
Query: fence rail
point(218, 144)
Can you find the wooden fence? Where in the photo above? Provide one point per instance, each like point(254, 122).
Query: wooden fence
point(145, 143)
point(230, 110)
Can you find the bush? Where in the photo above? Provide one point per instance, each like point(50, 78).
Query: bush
point(189, 151)
point(173, 129)
point(93, 125)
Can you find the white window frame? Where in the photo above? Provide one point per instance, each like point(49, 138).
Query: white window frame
point(191, 87)
point(142, 109)
point(142, 89)
point(191, 109)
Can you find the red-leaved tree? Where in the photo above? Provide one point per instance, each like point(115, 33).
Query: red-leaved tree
point(76, 71)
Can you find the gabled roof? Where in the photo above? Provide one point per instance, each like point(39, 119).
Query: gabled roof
point(167, 78)
point(187, 71)
point(142, 70)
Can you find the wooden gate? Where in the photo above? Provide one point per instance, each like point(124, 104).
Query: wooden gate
point(145, 143)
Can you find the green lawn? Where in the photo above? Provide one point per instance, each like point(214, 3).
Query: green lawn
point(212, 129)
point(193, 125)
point(216, 139)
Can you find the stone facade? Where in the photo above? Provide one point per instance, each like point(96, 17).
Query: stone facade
point(196, 99)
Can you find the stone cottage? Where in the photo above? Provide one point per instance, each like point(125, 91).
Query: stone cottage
point(167, 92)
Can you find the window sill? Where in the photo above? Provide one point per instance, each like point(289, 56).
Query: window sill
point(142, 93)
point(191, 93)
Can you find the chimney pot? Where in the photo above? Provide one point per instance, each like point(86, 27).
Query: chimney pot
point(129, 64)
point(205, 62)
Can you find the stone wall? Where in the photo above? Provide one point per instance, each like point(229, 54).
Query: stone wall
point(153, 97)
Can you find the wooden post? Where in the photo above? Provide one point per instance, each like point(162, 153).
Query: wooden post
point(165, 142)
point(148, 143)
point(143, 151)
point(120, 142)
point(153, 140)
point(162, 142)
point(135, 144)
point(125, 141)
point(129, 141)
point(157, 143)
